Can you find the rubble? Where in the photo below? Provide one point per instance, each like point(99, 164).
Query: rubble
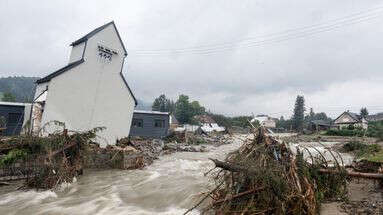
point(126, 154)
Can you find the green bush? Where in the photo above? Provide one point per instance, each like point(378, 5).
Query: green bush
point(375, 129)
point(361, 149)
point(13, 156)
point(345, 132)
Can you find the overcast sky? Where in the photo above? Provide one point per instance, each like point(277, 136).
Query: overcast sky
point(235, 57)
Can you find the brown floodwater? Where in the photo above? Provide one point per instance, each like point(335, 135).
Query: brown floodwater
point(169, 186)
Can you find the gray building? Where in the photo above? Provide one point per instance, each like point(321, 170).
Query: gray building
point(12, 117)
point(149, 124)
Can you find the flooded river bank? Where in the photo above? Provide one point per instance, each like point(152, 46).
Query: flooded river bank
point(169, 186)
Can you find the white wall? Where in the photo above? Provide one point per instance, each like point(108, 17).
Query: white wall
point(93, 94)
point(76, 53)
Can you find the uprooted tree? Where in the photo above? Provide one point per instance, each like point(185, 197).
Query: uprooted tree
point(265, 177)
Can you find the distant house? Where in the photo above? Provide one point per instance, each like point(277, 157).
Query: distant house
point(150, 124)
point(349, 119)
point(319, 125)
point(265, 121)
point(91, 90)
point(375, 118)
point(13, 116)
point(208, 124)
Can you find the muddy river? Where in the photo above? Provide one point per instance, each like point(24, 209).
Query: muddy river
point(169, 186)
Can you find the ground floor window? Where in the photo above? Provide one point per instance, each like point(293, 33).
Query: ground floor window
point(159, 123)
point(137, 123)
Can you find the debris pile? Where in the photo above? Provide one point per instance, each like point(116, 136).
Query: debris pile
point(128, 153)
point(197, 138)
point(44, 162)
point(264, 177)
point(194, 141)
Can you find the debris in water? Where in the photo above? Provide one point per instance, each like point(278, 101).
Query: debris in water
point(264, 177)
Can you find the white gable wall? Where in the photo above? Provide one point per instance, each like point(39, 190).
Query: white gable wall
point(93, 93)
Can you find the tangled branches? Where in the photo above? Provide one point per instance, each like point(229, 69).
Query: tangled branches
point(264, 177)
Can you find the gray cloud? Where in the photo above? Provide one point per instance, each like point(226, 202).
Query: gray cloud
point(237, 80)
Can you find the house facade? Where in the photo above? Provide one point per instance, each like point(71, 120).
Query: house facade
point(347, 119)
point(13, 116)
point(208, 124)
point(91, 90)
point(150, 124)
point(265, 121)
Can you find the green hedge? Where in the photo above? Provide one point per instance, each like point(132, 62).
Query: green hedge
point(375, 129)
point(345, 132)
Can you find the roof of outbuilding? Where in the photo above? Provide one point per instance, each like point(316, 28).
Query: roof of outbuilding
point(95, 31)
point(151, 112)
point(60, 71)
point(13, 104)
point(321, 122)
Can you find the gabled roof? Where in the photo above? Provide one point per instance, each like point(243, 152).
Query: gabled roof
point(354, 116)
point(76, 63)
point(95, 31)
point(60, 71)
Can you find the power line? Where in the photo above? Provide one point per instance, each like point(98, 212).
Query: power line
point(295, 33)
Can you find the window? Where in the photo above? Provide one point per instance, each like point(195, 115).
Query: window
point(137, 123)
point(14, 118)
point(159, 123)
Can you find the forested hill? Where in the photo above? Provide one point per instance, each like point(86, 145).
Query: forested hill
point(22, 88)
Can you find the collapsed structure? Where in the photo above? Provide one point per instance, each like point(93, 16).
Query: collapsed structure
point(90, 91)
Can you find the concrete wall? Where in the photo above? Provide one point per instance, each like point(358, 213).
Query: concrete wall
point(148, 129)
point(93, 94)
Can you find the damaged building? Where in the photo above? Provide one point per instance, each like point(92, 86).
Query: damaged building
point(150, 124)
point(91, 90)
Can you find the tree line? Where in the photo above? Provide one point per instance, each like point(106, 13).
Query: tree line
point(17, 88)
point(184, 110)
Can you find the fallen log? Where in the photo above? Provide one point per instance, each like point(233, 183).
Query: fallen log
point(354, 174)
point(232, 167)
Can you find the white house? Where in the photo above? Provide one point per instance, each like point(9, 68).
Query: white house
point(348, 118)
point(265, 121)
point(91, 90)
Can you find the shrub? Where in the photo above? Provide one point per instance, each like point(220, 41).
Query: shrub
point(361, 149)
point(375, 129)
point(345, 132)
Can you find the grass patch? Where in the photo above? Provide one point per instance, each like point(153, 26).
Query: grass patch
point(369, 152)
